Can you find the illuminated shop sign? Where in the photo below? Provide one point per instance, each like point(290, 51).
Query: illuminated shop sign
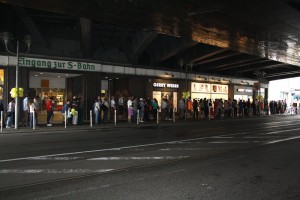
point(244, 90)
point(165, 85)
point(57, 64)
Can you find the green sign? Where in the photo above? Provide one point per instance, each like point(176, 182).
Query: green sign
point(57, 64)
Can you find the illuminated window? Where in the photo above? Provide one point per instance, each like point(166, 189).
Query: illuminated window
point(1, 76)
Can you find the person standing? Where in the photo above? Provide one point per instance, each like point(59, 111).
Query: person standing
point(181, 107)
point(10, 113)
point(142, 109)
point(130, 109)
point(121, 107)
point(49, 108)
point(164, 107)
point(25, 111)
point(1, 105)
point(64, 110)
point(96, 111)
point(195, 109)
point(32, 111)
point(155, 109)
point(105, 110)
point(37, 108)
point(112, 108)
point(135, 108)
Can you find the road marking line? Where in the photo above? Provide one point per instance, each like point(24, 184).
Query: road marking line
point(55, 158)
point(52, 171)
point(99, 150)
point(282, 140)
point(139, 158)
point(235, 142)
point(134, 146)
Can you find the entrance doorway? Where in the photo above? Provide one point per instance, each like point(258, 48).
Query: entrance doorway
point(49, 84)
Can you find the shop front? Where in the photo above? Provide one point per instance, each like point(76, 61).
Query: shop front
point(243, 93)
point(209, 91)
point(165, 89)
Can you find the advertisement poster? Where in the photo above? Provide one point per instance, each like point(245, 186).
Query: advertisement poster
point(201, 87)
point(221, 89)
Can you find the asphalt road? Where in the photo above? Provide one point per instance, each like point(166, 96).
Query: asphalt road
point(255, 158)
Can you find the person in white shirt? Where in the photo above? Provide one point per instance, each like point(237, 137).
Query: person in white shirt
point(25, 111)
point(130, 109)
point(112, 108)
point(10, 113)
point(32, 111)
point(96, 111)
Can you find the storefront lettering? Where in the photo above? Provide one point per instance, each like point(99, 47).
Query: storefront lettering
point(53, 64)
point(165, 85)
point(244, 90)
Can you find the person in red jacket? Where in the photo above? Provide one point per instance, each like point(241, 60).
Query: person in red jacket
point(49, 108)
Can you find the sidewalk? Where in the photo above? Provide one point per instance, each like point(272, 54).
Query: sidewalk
point(43, 128)
point(86, 126)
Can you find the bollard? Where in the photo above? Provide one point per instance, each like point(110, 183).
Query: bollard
point(33, 120)
point(174, 115)
point(115, 117)
point(138, 117)
point(91, 118)
point(65, 119)
point(1, 121)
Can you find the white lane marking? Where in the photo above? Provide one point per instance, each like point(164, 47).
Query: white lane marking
point(55, 158)
point(52, 171)
point(235, 142)
point(188, 149)
point(140, 158)
point(275, 132)
point(129, 147)
point(100, 150)
point(282, 140)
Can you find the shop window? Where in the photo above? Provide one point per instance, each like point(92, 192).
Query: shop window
point(1, 76)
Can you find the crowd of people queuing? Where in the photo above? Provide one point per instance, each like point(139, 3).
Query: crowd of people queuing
point(132, 108)
point(146, 109)
point(141, 109)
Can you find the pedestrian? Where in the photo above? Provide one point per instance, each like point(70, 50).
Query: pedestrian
point(130, 109)
point(32, 111)
point(10, 113)
point(69, 115)
point(142, 109)
point(49, 108)
point(105, 106)
point(36, 103)
point(96, 111)
point(25, 111)
point(121, 107)
point(181, 108)
point(155, 109)
point(64, 109)
point(112, 108)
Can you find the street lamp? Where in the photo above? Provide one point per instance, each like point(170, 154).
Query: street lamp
point(181, 63)
point(6, 36)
